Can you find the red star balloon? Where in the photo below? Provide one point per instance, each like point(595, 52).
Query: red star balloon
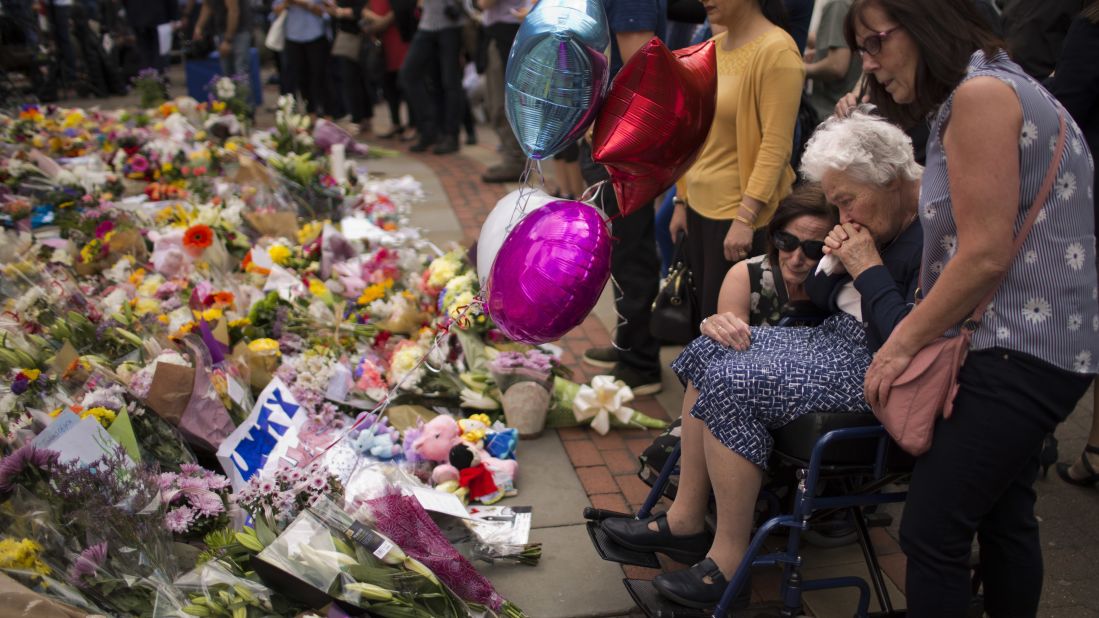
point(655, 120)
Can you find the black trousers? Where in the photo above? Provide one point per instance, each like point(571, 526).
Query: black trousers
point(306, 68)
point(706, 257)
point(357, 89)
point(434, 56)
point(978, 478)
point(636, 268)
point(391, 90)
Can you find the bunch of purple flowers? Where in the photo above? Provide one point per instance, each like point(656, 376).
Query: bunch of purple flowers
point(509, 368)
point(196, 499)
point(287, 492)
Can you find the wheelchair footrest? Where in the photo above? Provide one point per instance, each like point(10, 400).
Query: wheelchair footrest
point(654, 605)
point(878, 520)
point(613, 552)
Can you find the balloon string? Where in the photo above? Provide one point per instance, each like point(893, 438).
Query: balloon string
point(620, 320)
point(593, 194)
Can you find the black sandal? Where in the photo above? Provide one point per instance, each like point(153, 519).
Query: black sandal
point(1093, 476)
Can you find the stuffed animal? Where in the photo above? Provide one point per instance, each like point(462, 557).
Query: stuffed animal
point(379, 445)
point(440, 435)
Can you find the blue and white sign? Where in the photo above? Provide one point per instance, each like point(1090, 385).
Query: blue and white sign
point(264, 437)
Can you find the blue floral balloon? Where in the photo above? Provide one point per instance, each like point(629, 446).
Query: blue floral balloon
point(557, 74)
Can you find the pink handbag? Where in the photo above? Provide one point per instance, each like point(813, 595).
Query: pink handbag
point(930, 382)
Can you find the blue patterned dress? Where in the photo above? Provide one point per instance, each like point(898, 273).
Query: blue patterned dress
point(786, 373)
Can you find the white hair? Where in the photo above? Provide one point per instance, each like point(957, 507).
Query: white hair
point(868, 148)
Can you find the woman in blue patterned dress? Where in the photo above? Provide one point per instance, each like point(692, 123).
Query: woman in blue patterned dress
point(993, 136)
point(742, 382)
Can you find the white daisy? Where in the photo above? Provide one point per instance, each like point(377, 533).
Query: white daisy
point(1082, 362)
point(1042, 215)
point(1037, 310)
point(937, 267)
point(1094, 293)
point(1075, 321)
point(1077, 146)
point(990, 312)
point(1066, 185)
point(949, 243)
point(1031, 256)
point(1003, 332)
point(1075, 256)
point(1052, 143)
point(929, 212)
point(1095, 323)
point(1028, 134)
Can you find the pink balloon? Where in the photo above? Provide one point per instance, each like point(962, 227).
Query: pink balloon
point(549, 272)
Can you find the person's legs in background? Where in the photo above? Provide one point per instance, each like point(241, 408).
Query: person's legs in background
point(422, 56)
point(391, 91)
point(293, 57)
point(636, 269)
point(1084, 470)
point(356, 93)
point(60, 21)
point(512, 160)
point(313, 79)
point(448, 62)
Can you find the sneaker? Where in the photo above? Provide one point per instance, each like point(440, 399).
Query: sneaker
point(605, 357)
point(503, 172)
point(639, 383)
point(446, 145)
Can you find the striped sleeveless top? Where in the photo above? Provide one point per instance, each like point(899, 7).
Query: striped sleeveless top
point(1047, 306)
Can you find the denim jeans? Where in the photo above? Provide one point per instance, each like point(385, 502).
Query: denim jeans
point(237, 61)
point(435, 56)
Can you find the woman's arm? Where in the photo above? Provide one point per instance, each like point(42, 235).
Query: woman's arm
point(779, 99)
point(729, 326)
point(982, 147)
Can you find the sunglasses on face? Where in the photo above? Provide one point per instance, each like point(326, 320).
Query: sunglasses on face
point(871, 45)
point(784, 241)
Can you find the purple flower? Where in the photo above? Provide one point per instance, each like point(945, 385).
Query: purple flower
point(208, 504)
point(166, 481)
point(87, 564)
point(318, 483)
point(27, 456)
point(189, 484)
point(20, 385)
point(191, 469)
point(103, 228)
point(179, 520)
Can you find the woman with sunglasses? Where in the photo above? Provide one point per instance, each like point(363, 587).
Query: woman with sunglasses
point(995, 133)
point(743, 382)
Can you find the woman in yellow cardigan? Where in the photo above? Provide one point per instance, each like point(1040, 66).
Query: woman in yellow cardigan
point(744, 169)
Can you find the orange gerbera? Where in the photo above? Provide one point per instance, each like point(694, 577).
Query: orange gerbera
point(223, 299)
point(197, 238)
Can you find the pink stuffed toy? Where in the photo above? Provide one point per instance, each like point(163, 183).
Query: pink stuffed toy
point(440, 435)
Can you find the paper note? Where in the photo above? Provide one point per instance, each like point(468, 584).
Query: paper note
point(123, 431)
point(440, 502)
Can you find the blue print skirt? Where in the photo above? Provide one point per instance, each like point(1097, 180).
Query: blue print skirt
point(786, 373)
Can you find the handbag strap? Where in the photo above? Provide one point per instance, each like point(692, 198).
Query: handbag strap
point(1032, 216)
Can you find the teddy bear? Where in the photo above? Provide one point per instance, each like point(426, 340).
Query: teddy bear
point(439, 438)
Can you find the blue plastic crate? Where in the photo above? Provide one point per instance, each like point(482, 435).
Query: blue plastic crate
point(201, 71)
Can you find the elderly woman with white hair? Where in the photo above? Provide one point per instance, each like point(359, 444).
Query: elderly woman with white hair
point(767, 377)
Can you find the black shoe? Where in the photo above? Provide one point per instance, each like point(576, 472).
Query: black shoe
point(606, 357)
point(1092, 477)
point(700, 586)
point(635, 534)
point(641, 384)
point(446, 145)
point(471, 139)
point(422, 145)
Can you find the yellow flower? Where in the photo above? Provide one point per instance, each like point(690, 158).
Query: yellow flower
point(39, 141)
point(145, 306)
point(163, 319)
point(56, 411)
point(210, 315)
point(320, 290)
point(374, 292)
point(279, 254)
point(218, 106)
point(103, 415)
point(310, 231)
point(264, 345)
point(166, 166)
point(137, 276)
point(32, 374)
point(239, 323)
point(22, 555)
point(72, 119)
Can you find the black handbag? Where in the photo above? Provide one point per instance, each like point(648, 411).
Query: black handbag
point(675, 311)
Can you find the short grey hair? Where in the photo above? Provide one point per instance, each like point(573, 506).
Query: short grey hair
point(868, 148)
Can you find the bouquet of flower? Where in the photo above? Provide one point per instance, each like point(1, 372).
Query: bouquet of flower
point(151, 87)
point(197, 501)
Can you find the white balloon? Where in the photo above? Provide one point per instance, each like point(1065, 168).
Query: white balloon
point(509, 211)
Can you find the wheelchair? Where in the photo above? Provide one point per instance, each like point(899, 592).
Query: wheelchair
point(836, 462)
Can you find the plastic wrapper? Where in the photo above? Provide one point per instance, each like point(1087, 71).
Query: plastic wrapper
point(212, 590)
point(325, 554)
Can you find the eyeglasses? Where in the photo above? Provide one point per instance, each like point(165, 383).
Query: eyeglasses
point(785, 241)
point(871, 45)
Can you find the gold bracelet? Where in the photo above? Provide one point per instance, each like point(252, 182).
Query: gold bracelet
point(741, 218)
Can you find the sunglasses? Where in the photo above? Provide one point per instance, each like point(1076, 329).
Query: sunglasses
point(871, 45)
point(784, 241)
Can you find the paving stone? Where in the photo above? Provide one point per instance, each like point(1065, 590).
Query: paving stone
point(612, 440)
point(610, 502)
point(597, 480)
point(569, 582)
point(572, 433)
point(583, 453)
point(620, 461)
point(635, 490)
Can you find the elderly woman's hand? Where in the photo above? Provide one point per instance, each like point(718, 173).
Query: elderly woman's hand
point(854, 246)
point(728, 330)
